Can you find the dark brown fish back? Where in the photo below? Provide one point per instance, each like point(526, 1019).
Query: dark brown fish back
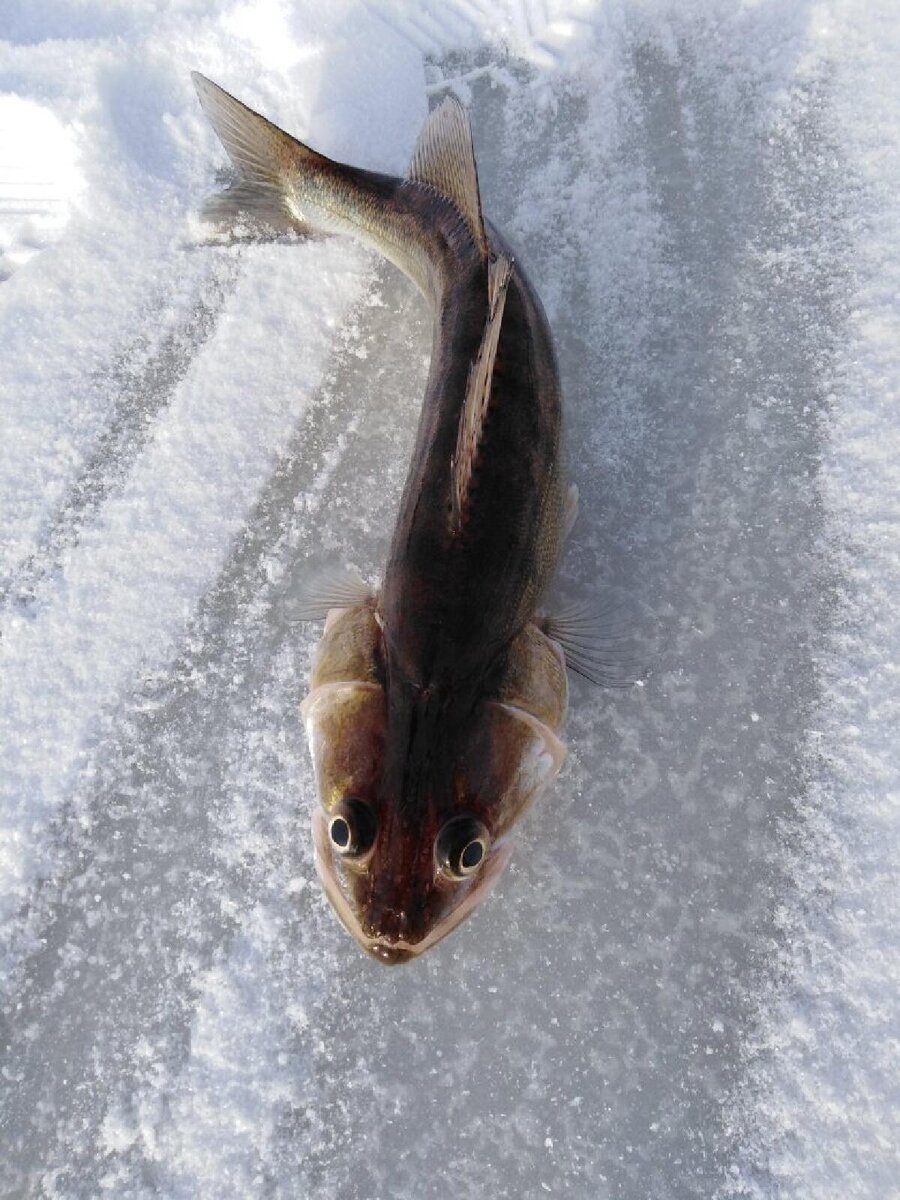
point(454, 598)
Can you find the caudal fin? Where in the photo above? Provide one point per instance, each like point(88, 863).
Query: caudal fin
point(265, 158)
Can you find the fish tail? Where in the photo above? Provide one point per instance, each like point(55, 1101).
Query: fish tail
point(262, 201)
point(284, 186)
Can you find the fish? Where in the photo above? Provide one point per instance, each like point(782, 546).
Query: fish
point(437, 698)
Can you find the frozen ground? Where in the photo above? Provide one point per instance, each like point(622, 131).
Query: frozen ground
point(686, 985)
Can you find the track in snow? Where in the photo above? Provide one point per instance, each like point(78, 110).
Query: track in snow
point(186, 1017)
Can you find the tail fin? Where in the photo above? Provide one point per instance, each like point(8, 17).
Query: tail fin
point(264, 157)
point(285, 187)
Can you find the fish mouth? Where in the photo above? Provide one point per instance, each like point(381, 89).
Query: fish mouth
point(389, 953)
point(393, 951)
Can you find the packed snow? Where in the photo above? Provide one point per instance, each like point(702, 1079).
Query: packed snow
point(686, 983)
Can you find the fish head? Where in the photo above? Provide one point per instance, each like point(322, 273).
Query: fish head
point(404, 865)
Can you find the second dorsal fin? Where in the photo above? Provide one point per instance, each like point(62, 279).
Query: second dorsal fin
point(478, 393)
point(444, 158)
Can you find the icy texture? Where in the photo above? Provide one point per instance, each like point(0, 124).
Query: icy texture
point(686, 984)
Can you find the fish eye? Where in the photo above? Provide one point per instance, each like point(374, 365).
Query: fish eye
point(351, 828)
point(472, 855)
point(340, 833)
point(461, 847)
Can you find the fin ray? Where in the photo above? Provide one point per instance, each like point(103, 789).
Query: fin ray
point(444, 158)
point(250, 212)
point(331, 587)
point(570, 512)
point(478, 392)
point(604, 641)
point(264, 157)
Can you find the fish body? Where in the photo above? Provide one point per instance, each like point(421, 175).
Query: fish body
point(436, 702)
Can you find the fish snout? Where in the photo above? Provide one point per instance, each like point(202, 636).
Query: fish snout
point(390, 926)
point(387, 952)
point(395, 928)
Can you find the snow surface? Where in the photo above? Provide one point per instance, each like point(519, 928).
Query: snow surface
point(686, 985)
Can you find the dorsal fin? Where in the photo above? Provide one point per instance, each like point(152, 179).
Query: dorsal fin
point(478, 392)
point(444, 158)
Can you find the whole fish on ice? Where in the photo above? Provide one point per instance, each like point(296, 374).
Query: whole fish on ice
point(436, 701)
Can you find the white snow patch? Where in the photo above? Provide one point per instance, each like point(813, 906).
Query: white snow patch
point(822, 1096)
point(39, 180)
point(225, 1110)
point(533, 1040)
point(132, 582)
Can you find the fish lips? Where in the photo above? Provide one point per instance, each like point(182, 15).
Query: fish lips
point(393, 951)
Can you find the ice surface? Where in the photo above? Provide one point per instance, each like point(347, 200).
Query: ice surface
point(686, 984)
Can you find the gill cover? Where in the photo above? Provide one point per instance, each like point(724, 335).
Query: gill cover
point(345, 713)
point(514, 750)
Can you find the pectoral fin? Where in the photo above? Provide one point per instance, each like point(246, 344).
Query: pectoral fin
point(570, 513)
point(607, 641)
point(326, 589)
